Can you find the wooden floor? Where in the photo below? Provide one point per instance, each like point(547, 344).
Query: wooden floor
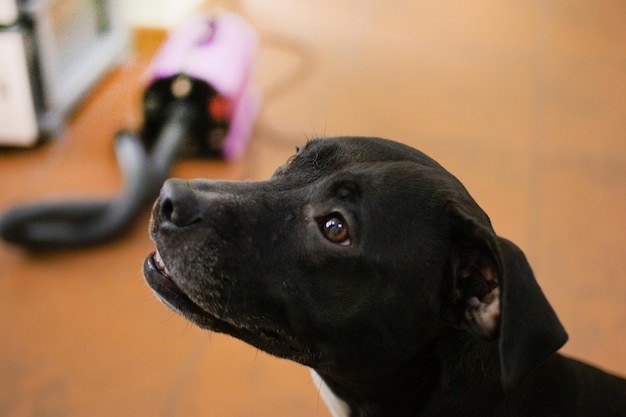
point(524, 101)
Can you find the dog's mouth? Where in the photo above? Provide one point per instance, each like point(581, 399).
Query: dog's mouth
point(265, 337)
point(160, 265)
point(160, 280)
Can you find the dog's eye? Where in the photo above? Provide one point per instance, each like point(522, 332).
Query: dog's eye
point(335, 229)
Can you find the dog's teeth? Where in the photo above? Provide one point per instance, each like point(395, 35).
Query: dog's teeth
point(160, 264)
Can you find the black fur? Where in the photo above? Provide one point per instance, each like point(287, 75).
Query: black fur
point(420, 309)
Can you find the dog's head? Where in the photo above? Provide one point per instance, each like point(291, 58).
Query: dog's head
point(353, 257)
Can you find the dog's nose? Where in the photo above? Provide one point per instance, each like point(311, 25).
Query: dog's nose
point(178, 204)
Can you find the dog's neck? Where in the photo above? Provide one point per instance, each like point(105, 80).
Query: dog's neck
point(438, 381)
point(397, 393)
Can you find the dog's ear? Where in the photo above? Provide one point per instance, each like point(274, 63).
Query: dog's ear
point(497, 296)
point(530, 330)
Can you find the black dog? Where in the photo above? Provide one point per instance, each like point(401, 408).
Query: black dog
point(368, 262)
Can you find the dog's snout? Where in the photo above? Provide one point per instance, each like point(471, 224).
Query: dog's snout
point(178, 204)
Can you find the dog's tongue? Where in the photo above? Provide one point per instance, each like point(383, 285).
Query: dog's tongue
point(161, 265)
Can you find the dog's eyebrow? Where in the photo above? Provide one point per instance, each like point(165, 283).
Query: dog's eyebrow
point(345, 188)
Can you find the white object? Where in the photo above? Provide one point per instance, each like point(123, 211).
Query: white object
point(18, 120)
point(8, 12)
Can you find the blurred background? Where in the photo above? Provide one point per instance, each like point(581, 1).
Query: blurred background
point(525, 102)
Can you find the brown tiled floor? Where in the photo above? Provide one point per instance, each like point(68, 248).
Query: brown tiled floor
point(524, 101)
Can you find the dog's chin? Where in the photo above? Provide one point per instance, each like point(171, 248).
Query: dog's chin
point(267, 338)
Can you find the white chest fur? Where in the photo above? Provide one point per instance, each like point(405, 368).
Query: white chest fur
point(337, 407)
